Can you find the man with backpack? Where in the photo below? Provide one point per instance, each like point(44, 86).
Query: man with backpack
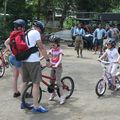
point(31, 68)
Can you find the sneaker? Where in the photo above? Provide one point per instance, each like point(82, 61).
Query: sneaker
point(16, 94)
point(62, 100)
point(40, 109)
point(52, 96)
point(27, 104)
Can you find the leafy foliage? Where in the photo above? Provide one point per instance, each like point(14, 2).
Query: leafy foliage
point(45, 9)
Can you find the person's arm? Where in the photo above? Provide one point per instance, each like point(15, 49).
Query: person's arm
point(118, 60)
point(60, 59)
point(43, 50)
point(7, 43)
point(103, 56)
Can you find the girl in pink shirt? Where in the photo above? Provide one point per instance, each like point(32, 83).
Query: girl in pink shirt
point(56, 54)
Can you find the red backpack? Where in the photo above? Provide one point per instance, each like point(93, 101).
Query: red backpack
point(17, 42)
point(19, 47)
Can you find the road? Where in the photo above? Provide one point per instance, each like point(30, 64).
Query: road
point(84, 103)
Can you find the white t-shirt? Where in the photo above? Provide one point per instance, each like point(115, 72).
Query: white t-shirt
point(112, 54)
point(33, 37)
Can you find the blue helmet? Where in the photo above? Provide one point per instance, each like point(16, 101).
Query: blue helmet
point(39, 24)
point(19, 23)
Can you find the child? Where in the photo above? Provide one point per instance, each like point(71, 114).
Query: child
point(56, 54)
point(112, 55)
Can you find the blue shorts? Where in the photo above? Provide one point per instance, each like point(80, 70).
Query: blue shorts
point(98, 42)
point(14, 62)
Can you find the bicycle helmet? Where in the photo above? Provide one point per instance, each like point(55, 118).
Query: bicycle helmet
point(111, 42)
point(54, 38)
point(39, 24)
point(19, 23)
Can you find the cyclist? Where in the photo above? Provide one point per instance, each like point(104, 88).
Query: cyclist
point(112, 55)
point(19, 25)
point(31, 68)
point(56, 54)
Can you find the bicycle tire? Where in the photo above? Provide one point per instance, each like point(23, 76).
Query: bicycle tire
point(27, 100)
point(66, 87)
point(2, 68)
point(100, 87)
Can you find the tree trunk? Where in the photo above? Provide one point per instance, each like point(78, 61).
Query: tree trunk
point(38, 11)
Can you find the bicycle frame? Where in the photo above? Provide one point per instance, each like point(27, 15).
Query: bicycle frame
point(2, 56)
point(48, 78)
point(107, 77)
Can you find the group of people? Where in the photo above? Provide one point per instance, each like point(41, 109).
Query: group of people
point(30, 69)
point(100, 36)
point(104, 40)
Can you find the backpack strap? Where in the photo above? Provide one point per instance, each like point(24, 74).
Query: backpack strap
point(26, 34)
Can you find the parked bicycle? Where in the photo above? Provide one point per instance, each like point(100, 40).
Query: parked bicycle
point(67, 84)
point(106, 80)
point(4, 59)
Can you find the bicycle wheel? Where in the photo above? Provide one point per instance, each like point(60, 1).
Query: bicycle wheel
point(68, 86)
point(2, 68)
point(100, 87)
point(27, 98)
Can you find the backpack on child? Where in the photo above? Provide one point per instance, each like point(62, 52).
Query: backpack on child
point(19, 46)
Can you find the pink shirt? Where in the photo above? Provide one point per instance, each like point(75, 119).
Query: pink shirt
point(55, 53)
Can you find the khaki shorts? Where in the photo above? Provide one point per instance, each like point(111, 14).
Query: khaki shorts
point(31, 71)
point(78, 42)
point(57, 74)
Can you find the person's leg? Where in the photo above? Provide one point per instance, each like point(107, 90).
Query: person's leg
point(52, 82)
point(16, 67)
point(96, 44)
point(113, 73)
point(15, 79)
point(52, 75)
point(81, 47)
point(78, 52)
point(58, 79)
point(36, 77)
point(36, 94)
point(101, 46)
point(58, 75)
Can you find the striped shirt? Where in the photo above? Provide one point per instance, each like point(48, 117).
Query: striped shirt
point(55, 53)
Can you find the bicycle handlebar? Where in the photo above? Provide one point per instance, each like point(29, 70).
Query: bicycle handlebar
point(107, 62)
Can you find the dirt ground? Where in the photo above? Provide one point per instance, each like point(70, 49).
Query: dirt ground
point(83, 104)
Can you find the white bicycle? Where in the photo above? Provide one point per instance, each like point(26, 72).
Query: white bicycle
point(106, 80)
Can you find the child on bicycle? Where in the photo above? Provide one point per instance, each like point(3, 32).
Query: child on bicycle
point(112, 55)
point(56, 54)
